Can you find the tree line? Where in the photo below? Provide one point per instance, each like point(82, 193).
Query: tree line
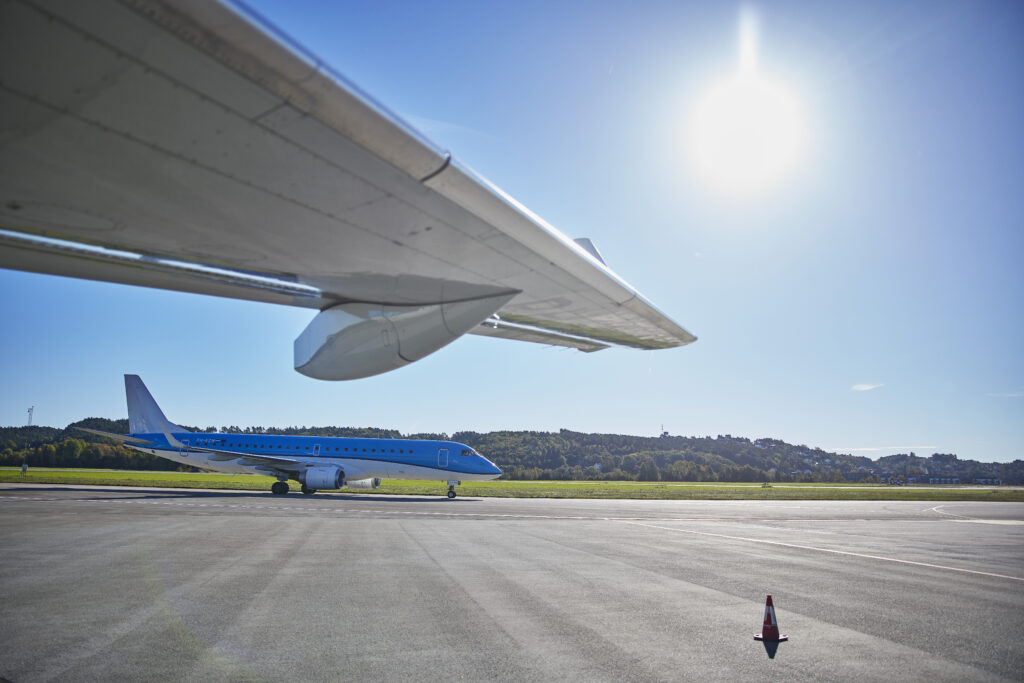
point(562, 455)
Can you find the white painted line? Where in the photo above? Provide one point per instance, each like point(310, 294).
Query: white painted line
point(826, 550)
point(939, 511)
point(1008, 522)
point(964, 518)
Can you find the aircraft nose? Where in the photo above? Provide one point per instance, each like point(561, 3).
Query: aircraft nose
point(490, 468)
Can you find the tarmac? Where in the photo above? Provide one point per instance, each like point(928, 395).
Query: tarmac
point(117, 583)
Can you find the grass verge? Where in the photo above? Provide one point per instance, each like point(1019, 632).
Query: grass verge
point(530, 489)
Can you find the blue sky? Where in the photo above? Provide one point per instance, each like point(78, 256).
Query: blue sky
point(888, 259)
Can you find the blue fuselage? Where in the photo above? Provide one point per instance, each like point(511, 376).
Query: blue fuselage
point(359, 458)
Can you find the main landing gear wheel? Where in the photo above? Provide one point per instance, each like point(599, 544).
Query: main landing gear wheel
point(279, 488)
point(308, 491)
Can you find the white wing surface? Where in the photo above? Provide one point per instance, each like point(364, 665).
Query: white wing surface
point(180, 145)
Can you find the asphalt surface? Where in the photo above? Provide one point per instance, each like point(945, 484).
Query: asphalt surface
point(102, 584)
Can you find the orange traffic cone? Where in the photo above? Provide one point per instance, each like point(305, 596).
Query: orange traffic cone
point(770, 629)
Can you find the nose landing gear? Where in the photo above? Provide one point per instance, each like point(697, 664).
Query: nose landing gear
point(451, 488)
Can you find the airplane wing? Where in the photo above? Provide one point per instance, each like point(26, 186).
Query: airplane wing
point(267, 463)
point(181, 145)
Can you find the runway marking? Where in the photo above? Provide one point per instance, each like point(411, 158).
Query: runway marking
point(826, 550)
point(314, 507)
point(1009, 522)
point(939, 511)
point(318, 508)
point(975, 520)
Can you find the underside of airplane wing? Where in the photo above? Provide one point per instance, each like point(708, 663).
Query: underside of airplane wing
point(179, 145)
point(268, 464)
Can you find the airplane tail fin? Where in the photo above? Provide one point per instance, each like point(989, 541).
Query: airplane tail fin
point(144, 415)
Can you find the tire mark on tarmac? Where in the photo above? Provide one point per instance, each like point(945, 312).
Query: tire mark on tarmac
point(825, 550)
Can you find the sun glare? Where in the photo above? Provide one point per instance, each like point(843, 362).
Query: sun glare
point(745, 133)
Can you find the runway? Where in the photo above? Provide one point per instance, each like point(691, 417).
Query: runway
point(102, 583)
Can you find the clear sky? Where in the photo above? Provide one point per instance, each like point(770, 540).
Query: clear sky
point(866, 296)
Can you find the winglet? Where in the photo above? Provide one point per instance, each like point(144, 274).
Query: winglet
point(144, 415)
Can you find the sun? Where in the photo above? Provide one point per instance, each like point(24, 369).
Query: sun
point(745, 134)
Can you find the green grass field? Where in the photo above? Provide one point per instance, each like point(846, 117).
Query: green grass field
point(532, 489)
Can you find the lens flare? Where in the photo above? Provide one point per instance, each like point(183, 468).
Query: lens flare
point(745, 134)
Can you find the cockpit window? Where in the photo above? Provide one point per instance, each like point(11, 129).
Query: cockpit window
point(468, 451)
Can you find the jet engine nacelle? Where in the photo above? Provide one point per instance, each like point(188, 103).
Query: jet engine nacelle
point(363, 483)
point(324, 478)
point(359, 340)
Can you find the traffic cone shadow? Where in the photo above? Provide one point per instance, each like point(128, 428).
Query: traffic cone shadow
point(769, 634)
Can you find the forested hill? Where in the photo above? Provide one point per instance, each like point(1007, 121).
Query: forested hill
point(557, 455)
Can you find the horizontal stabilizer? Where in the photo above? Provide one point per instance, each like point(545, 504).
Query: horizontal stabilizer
point(120, 438)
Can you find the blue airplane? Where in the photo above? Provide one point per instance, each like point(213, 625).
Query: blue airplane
point(315, 462)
